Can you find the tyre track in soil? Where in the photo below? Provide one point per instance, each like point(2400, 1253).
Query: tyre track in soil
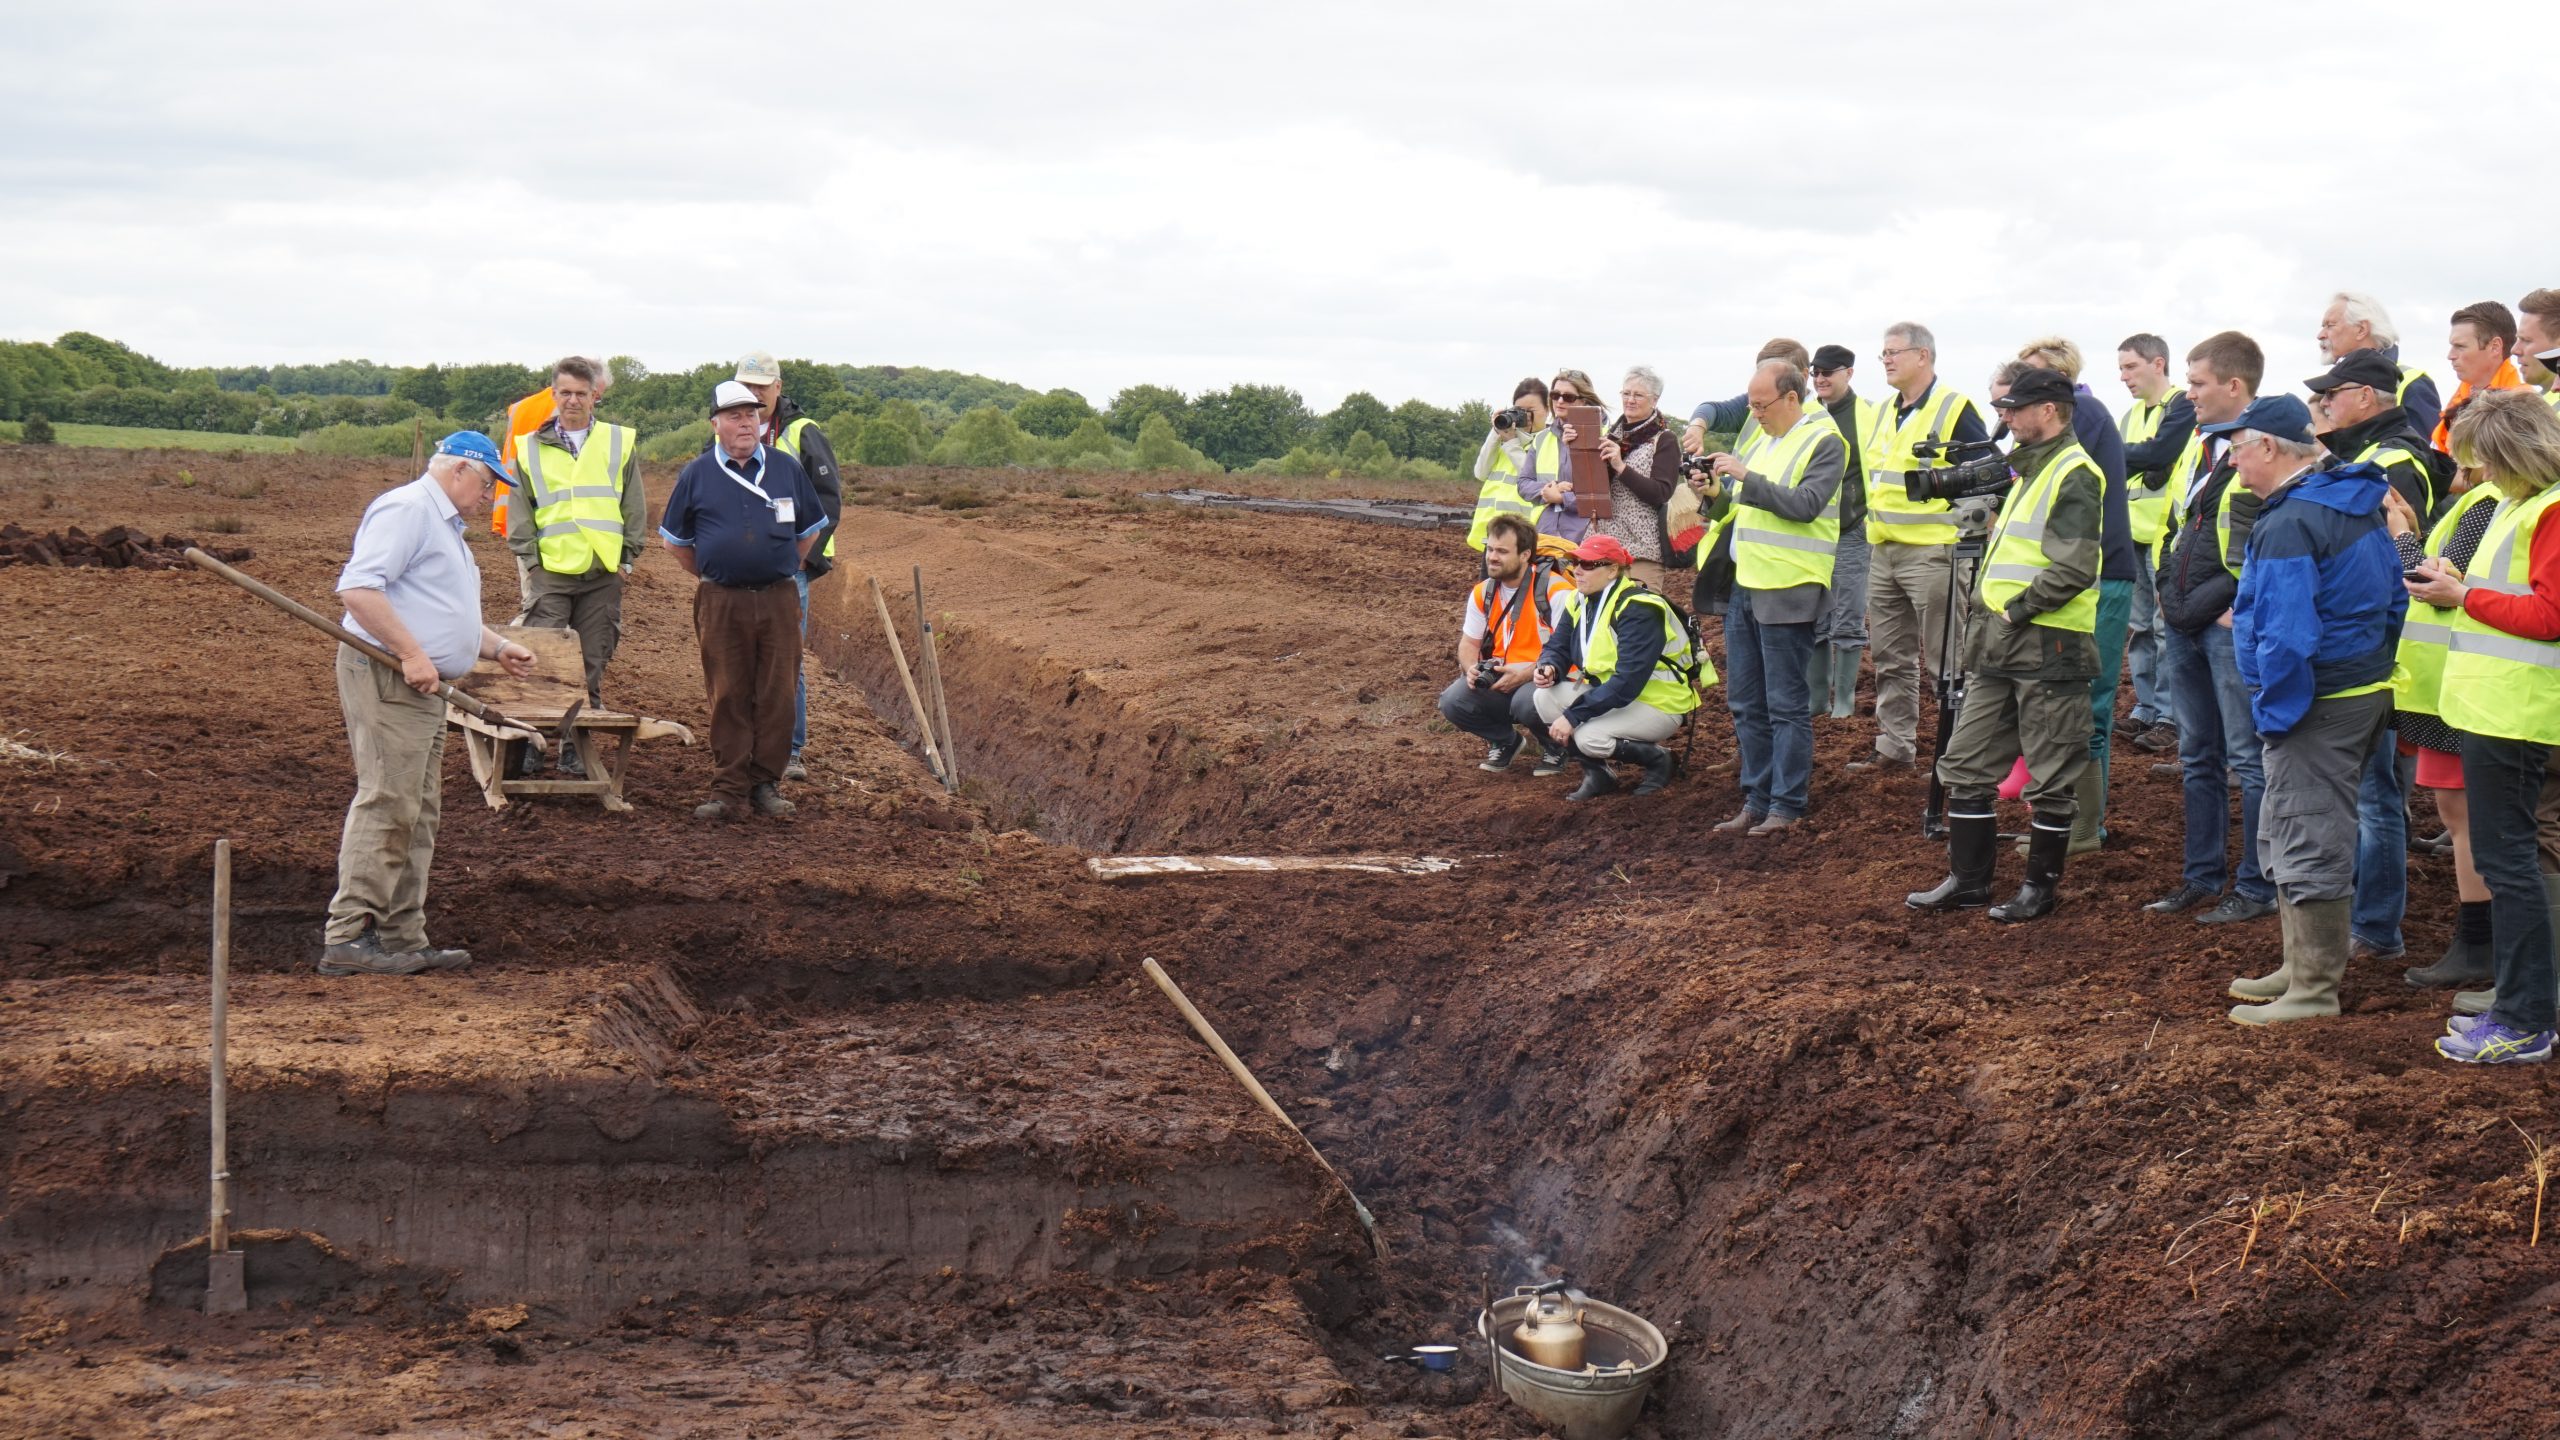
point(1877, 1174)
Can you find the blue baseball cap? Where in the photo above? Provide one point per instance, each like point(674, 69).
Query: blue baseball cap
point(472, 445)
point(2281, 416)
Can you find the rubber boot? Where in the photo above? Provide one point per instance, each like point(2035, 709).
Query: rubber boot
point(1970, 841)
point(2463, 963)
point(1844, 681)
point(1817, 674)
point(1655, 760)
point(2260, 989)
point(2089, 818)
point(2048, 841)
point(1596, 780)
point(2319, 963)
point(2475, 1002)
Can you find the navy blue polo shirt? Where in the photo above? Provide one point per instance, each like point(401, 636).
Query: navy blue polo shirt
point(738, 536)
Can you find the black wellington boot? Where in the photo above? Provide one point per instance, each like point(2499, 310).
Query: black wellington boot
point(1970, 842)
point(1655, 760)
point(1596, 780)
point(2048, 843)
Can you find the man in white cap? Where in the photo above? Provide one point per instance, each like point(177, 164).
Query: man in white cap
point(797, 435)
point(743, 519)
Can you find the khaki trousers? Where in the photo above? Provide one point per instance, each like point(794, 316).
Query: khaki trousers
point(2047, 721)
point(1906, 628)
point(1598, 737)
point(389, 842)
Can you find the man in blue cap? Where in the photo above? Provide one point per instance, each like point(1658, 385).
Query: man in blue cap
point(2314, 628)
point(411, 587)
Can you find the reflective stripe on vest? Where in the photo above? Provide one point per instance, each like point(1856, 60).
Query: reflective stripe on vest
point(1892, 517)
point(788, 442)
point(2498, 684)
point(2417, 668)
point(1664, 690)
point(1771, 552)
point(1499, 495)
point(1546, 460)
point(577, 506)
point(2017, 557)
point(2148, 510)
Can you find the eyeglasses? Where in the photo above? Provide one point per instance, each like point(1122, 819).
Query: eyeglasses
point(1831, 370)
point(1889, 354)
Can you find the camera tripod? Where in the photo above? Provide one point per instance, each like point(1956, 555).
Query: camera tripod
point(1967, 562)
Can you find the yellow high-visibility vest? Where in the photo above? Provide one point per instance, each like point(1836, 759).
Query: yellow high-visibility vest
point(577, 503)
point(2148, 509)
point(1771, 552)
point(2017, 557)
point(2498, 684)
point(788, 442)
point(2417, 669)
point(1499, 495)
point(1892, 516)
point(1665, 689)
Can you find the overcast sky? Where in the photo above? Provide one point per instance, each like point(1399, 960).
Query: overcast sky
point(1415, 200)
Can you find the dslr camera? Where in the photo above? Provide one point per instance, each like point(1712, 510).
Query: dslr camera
point(1511, 419)
point(1487, 671)
point(1958, 470)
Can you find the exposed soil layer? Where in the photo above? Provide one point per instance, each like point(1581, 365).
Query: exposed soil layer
point(1875, 1173)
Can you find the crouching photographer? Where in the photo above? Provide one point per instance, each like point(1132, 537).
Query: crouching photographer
point(1509, 613)
point(1640, 672)
point(2029, 653)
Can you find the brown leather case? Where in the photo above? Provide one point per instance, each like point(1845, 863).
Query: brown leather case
point(1590, 473)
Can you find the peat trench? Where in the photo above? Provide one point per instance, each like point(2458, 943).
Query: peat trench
point(1478, 1118)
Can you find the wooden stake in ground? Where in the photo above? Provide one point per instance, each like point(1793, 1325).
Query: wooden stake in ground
point(906, 677)
point(225, 1288)
point(418, 445)
point(1209, 1033)
point(933, 681)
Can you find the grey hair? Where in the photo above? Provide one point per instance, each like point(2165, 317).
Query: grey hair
point(441, 466)
point(1645, 375)
point(604, 375)
point(2008, 371)
point(2299, 451)
point(2357, 308)
point(1915, 335)
point(2513, 436)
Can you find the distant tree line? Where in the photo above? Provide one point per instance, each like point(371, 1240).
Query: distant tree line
point(876, 414)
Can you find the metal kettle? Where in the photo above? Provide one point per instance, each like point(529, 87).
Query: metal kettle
point(1551, 1332)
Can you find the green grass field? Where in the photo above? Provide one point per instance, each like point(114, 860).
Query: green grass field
point(129, 437)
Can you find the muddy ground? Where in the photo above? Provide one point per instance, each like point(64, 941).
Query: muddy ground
point(863, 1123)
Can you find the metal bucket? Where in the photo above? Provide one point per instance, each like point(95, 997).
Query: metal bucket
point(1622, 1357)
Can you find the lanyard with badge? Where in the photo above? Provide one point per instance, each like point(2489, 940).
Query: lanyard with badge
point(785, 510)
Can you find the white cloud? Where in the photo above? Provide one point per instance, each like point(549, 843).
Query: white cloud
point(1411, 200)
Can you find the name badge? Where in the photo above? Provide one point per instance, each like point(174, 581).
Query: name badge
point(786, 510)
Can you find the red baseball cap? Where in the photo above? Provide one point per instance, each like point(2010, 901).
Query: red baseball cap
point(1604, 549)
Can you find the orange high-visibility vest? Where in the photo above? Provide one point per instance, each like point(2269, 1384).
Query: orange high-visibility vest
point(523, 418)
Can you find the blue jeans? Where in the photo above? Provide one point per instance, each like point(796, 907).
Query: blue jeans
point(2216, 740)
point(2143, 641)
point(800, 696)
point(1764, 686)
point(2382, 849)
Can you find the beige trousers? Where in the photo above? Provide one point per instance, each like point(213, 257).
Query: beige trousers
point(1906, 627)
point(1599, 736)
point(397, 735)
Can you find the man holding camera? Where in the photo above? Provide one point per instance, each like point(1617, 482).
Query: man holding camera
point(1785, 489)
point(1911, 574)
point(1508, 615)
point(1639, 672)
point(2030, 651)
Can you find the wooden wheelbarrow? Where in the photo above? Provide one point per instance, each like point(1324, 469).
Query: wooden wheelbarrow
point(551, 700)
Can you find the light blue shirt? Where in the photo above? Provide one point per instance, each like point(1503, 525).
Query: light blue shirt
point(409, 546)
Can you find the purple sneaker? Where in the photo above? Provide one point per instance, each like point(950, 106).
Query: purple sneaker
point(2463, 1025)
point(2489, 1043)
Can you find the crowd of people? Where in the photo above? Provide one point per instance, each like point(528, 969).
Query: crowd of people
point(2316, 605)
point(752, 519)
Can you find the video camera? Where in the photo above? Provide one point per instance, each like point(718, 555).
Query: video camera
point(1958, 470)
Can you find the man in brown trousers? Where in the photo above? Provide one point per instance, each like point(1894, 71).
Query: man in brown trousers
point(742, 518)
